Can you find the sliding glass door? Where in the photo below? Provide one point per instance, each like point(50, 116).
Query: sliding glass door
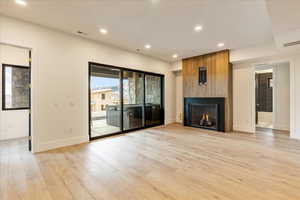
point(153, 94)
point(122, 100)
point(105, 110)
point(133, 100)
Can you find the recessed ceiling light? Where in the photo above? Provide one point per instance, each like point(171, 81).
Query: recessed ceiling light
point(103, 31)
point(221, 45)
point(21, 2)
point(147, 46)
point(175, 56)
point(198, 28)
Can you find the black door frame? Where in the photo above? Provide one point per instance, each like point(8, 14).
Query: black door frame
point(29, 116)
point(122, 69)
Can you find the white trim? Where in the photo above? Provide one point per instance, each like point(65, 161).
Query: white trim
point(275, 95)
point(61, 143)
point(281, 127)
point(244, 129)
point(292, 99)
point(253, 101)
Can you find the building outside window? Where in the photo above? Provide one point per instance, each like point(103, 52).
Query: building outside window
point(16, 81)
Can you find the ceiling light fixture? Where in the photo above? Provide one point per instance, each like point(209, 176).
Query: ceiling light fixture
point(198, 28)
point(175, 56)
point(147, 46)
point(103, 31)
point(221, 45)
point(21, 2)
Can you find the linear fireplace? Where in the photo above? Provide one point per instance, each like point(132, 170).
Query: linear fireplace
point(207, 113)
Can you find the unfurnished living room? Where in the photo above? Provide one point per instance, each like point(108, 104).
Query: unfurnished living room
point(150, 99)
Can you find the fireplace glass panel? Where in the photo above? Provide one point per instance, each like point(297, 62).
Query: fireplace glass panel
point(204, 116)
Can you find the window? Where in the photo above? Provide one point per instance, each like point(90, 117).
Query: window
point(103, 96)
point(102, 107)
point(15, 83)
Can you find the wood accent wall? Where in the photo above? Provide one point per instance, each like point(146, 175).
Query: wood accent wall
point(219, 80)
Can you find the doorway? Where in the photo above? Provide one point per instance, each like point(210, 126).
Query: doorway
point(15, 116)
point(272, 96)
point(264, 96)
point(123, 100)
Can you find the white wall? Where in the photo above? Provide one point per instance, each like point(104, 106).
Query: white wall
point(177, 70)
point(60, 80)
point(281, 96)
point(13, 123)
point(295, 97)
point(176, 66)
point(243, 98)
point(179, 98)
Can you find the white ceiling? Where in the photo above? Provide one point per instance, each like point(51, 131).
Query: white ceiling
point(285, 18)
point(168, 25)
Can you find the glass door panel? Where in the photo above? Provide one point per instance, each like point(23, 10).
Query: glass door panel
point(153, 100)
point(133, 100)
point(105, 109)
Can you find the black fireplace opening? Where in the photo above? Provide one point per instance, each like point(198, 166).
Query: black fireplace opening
point(206, 113)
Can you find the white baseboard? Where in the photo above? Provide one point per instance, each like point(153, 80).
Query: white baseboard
point(60, 143)
point(243, 129)
point(2, 138)
point(179, 121)
point(170, 121)
point(281, 127)
point(294, 136)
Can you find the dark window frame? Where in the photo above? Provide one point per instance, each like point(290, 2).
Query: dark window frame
point(4, 66)
point(122, 69)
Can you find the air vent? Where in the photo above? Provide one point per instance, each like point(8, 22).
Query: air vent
point(291, 44)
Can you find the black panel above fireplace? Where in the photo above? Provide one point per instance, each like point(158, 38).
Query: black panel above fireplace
point(207, 113)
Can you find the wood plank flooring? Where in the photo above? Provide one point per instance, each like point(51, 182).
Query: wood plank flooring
point(170, 162)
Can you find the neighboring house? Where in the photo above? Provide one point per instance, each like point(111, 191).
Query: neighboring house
point(101, 98)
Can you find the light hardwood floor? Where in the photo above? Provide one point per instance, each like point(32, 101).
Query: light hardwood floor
point(170, 162)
